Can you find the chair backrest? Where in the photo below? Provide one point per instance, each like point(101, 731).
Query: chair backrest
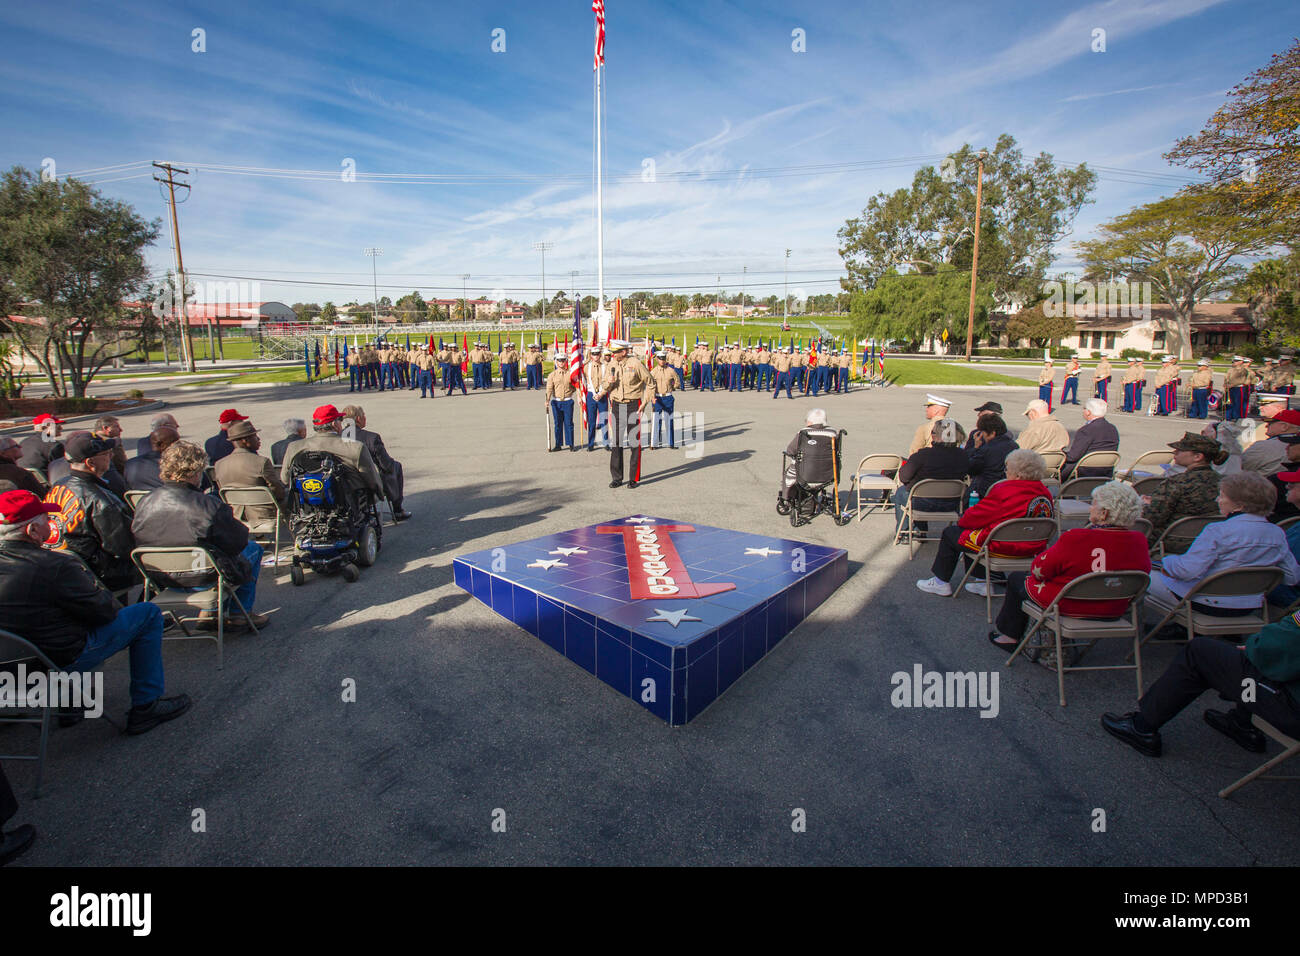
point(165, 562)
point(1143, 526)
point(1106, 586)
point(1022, 530)
point(1054, 459)
point(247, 495)
point(1155, 458)
point(1180, 534)
point(938, 488)
point(874, 464)
point(1145, 486)
point(1098, 459)
point(211, 472)
point(1252, 581)
point(1288, 522)
point(817, 455)
point(14, 648)
point(1081, 488)
point(134, 496)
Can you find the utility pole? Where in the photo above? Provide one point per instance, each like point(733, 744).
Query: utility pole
point(785, 304)
point(187, 345)
point(743, 275)
point(542, 247)
point(716, 296)
point(464, 296)
point(975, 256)
point(375, 253)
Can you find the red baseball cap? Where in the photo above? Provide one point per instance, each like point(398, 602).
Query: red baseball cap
point(19, 506)
point(42, 419)
point(325, 414)
point(230, 415)
point(1291, 417)
point(1281, 476)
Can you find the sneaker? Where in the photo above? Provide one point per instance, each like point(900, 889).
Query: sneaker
point(933, 585)
point(977, 587)
point(146, 718)
point(1248, 738)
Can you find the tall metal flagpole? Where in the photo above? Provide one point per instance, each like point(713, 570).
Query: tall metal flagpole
point(600, 199)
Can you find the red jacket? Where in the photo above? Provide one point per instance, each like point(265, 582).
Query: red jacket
point(1006, 501)
point(1081, 551)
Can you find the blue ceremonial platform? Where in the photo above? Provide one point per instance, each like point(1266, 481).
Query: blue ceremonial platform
point(667, 613)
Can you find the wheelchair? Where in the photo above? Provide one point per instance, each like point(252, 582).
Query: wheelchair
point(333, 516)
point(810, 478)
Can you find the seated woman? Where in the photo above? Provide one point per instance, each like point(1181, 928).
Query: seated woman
point(944, 458)
point(1115, 507)
point(1193, 490)
point(1245, 539)
point(1021, 494)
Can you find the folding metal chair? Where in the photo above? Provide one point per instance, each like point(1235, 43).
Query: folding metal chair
point(869, 477)
point(1147, 486)
point(1288, 522)
point(1074, 501)
point(932, 489)
point(181, 604)
point(16, 650)
point(1098, 459)
point(1054, 460)
point(1015, 531)
point(1180, 534)
point(1147, 464)
point(1069, 631)
point(1254, 581)
point(1290, 747)
point(259, 496)
point(134, 497)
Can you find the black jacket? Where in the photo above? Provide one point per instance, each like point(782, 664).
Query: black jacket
point(178, 515)
point(142, 472)
point(37, 452)
point(51, 599)
point(1096, 435)
point(218, 447)
point(277, 449)
point(936, 461)
point(96, 525)
point(988, 463)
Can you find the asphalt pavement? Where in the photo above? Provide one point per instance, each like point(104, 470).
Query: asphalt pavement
point(459, 715)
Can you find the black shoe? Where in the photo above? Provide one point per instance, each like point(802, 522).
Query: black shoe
point(553, 449)
point(632, 484)
point(615, 483)
point(1248, 738)
point(142, 719)
point(401, 515)
point(17, 842)
point(574, 448)
point(1122, 727)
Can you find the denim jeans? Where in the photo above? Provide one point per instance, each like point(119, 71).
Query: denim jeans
point(138, 627)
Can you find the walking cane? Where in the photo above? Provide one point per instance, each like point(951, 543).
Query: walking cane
point(549, 430)
point(835, 471)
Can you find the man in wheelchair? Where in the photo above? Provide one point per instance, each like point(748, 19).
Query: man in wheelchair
point(333, 489)
point(810, 483)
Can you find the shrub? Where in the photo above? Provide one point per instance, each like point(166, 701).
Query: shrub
point(134, 393)
point(1135, 353)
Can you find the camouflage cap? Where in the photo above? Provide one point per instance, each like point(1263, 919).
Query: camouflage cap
point(1192, 441)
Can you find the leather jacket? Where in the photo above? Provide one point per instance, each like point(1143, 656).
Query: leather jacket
point(178, 515)
point(95, 524)
point(51, 599)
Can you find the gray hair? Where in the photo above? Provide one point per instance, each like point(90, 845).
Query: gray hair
point(292, 426)
point(1250, 491)
point(1096, 407)
point(816, 416)
point(1027, 464)
point(18, 532)
point(161, 419)
point(1120, 502)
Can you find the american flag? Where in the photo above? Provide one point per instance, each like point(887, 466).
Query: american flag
point(577, 369)
point(598, 8)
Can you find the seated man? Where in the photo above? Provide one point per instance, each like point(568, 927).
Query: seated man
point(53, 601)
point(142, 470)
point(109, 430)
point(1284, 595)
point(327, 421)
point(816, 421)
point(295, 429)
point(158, 421)
point(178, 515)
point(1096, 434)
point(91, 521)
point(1109, 537)
point(245, 468)
point(943, 458)
point(389, 468)
point(12, 473)
point(1043, 433)
point(1021, 495)
point(1269, 661)
point(43, 446)
point(1193, 491)
point(1268, 457)
point(218, 446)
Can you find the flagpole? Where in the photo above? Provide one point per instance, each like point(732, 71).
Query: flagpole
point(600, 198)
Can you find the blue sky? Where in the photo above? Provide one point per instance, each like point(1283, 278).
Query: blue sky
point(706, 89)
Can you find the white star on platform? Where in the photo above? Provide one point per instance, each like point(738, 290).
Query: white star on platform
point(671, 617)
point(567, 551)
point(547, 564)
point(641, 520)
point(764, 552)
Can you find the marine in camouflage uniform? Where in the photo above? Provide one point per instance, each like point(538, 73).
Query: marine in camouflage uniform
point(1191, 492)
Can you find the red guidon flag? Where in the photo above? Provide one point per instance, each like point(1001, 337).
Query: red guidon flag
point(598, 8)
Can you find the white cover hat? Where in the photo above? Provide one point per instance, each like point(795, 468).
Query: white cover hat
point(936, 400)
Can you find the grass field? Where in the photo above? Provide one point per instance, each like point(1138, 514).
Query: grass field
point(939, 372)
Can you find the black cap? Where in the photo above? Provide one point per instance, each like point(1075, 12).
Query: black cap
point(84, 445)
point(990, 407)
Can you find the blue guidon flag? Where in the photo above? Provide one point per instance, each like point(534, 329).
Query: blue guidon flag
point(667, 612)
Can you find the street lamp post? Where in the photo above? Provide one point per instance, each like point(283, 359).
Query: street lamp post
point(374, 254)
point(542, 247)
point(785, 304)
point(464, 296)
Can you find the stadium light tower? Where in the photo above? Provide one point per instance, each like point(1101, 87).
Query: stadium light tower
point(542, 247)
point(374, 254)
point(785, 305)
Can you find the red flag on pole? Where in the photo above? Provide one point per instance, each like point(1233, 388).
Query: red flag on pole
point(598, 8)
point(464, 363)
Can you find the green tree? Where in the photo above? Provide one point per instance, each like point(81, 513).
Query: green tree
point(1040, 329)
point(76, 257)
point(920, 306)
point(411, 308)
point(329, 314)
point(1186, 246)
point(1027, 208)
